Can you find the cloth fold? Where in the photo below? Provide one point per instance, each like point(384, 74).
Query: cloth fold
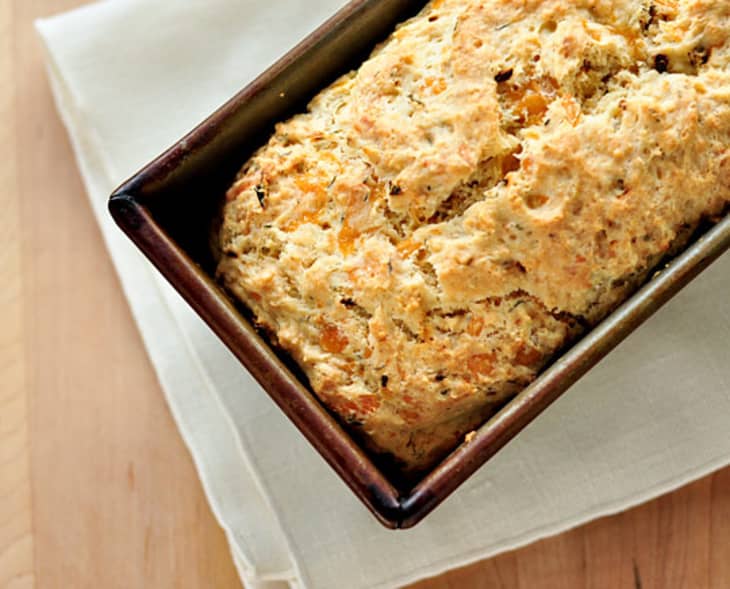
point(132, 76)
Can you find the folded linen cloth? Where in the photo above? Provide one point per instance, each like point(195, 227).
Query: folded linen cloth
point(132, 76)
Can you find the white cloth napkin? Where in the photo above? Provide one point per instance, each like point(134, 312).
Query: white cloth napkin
point(131, 77)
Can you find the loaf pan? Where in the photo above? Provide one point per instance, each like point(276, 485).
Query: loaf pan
point(168, 209)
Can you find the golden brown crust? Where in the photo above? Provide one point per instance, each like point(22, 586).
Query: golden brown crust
point(433, 230)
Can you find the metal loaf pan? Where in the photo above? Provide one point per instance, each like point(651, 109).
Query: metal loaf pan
point(168, 207)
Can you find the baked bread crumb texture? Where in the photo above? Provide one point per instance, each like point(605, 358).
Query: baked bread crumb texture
point(497, 177)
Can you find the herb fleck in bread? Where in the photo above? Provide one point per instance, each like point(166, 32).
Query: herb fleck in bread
point(498, 175)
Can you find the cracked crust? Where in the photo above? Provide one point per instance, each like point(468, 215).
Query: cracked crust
point(497, 175)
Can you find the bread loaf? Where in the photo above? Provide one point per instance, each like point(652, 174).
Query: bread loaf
point(492, 181)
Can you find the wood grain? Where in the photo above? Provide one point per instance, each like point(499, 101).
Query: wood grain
point(116, 501)
point(16, 543)
point(106, 495)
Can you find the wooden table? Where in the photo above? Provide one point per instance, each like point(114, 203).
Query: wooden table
point(96, 487)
